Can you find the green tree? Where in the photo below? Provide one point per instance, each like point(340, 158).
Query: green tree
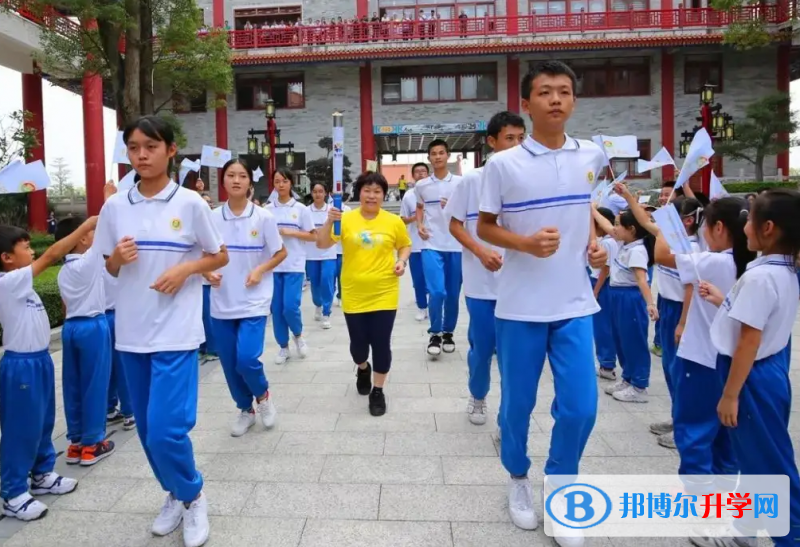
point(744, 32)
point(15, 142)
point(60, 178)
point(149, 52)
point(321, 169)
point(757, 136)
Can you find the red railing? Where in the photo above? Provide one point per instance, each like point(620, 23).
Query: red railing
point(47, 17)
point(489, 27)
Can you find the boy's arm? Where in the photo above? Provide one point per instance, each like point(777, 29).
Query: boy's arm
point(60, 249)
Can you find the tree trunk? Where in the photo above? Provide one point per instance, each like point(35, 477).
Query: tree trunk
point(759, 164)
point(110, 35)
point(131, 94)
point(147, 99)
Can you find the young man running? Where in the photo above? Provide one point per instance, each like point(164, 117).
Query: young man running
point(480, 264)
point(540, 191)
point(441, 257)
point(408, 212)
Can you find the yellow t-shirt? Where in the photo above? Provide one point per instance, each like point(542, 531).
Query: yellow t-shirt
point(402, 184)
point(368, 259)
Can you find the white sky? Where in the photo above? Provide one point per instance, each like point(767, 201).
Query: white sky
point(63, 125)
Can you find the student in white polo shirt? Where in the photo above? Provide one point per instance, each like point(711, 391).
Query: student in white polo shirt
point(160, 239)
point(297, 229)
point(321, 263)
point(544, 297)
point(86, 357)
point(27, 379)
point(480, 264)
point(441, 256)
point(408, 212)
point(242, 294)
point(750, 332)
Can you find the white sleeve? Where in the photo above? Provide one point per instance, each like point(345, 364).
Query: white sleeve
point(418, 193)
point(306, 222)
point(457, 204)
point(404, 212)
point(491, 189)
point(17, 284)
point(272, 238)
point(205, 232)
point(612, 248)
point(105, 238)
point(685, 264)
point(638, 258)
point(755, 301)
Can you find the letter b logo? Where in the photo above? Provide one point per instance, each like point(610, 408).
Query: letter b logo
point(579, 506)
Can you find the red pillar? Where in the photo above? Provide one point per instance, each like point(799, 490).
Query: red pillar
point(784, 58)
point(512, 70)
point(512, 21)
point(367, 134)
point(668, 110)
point(705, 172)
point(32, 103)
point(93, 139)
point(221, 113)
point(362, 8)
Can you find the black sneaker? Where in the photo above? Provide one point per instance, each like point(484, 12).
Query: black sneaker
point(435, 345)
point(377, 402)
point(364, 380)
point(448, 345)
point(114, 416)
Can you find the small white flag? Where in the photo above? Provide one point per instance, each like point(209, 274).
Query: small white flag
point(211, 156)
point(669, 222)
point(120, 151)
point(257, 174)
point(600, 191)
point(19, 178)
point(127, 182)
point(644, 199)
point(619, 178)
point(186, 166)
point(698, 156)
point(626, 146)
point(661, 159)
point(717, 190)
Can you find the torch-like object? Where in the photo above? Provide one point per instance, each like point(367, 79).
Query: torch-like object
point(338, 166)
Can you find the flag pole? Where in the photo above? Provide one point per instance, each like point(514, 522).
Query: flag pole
point(338, 165)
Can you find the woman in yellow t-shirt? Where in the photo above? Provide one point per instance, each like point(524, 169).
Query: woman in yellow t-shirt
point(375, 251)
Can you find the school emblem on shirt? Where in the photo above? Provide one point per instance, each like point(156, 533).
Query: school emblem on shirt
point(253, 233)
point(176, 224)
point(590, 177)
point(294, 216)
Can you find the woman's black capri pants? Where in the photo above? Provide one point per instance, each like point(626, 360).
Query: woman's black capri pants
point(372, 329)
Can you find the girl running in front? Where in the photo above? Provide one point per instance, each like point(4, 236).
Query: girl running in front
point(321, 263)
point(297, 229)
point(631, 304)
point(241, 295)
point(160, 239)
point(750, 331)
point(704, 447)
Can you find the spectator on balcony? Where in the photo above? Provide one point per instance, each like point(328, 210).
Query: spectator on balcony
point(385, 25)
point(433, 24)
point(374, 26)
point(422, 24)
point(463, 23)
point(227, 26)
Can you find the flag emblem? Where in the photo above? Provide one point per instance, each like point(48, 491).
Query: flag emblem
point(176, 224)
point(27, 186)
point(608, 144)
point(702, 161)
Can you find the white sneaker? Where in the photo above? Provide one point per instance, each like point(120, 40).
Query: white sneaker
point(563, 536)
point(282, 356)
point(338, 302)
point(52, 483)
point(606, 373)
point(326, 322)
point(476, 411)
point(619, 386)
point(242, 423)
point(169, 518)
point(267, 412)
point(734, 540)
point(24, 507)
point(422, 315)
point(631, 395)
point(195, 523)
point(318, 313)
point(301, 346)
point(520, 504)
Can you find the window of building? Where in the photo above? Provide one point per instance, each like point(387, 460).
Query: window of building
point(443, 9)
point(561, 7)
point(617, 77)
point(253, 91)
point(261, 17)
point(620, 165)
point(439, 83)
point(184, 105)
point(699, 70)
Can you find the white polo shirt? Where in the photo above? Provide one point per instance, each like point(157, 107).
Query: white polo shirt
point(111, 286)
point(338, 245)
point(463, 205)
point(81, 284)
point(630, 257)
point(531, 187)
point(764, 298)
point(26, 328)
point(611, 246)
point(719, 269)
point(669, 283)
point(174, 227)
point(318, 217)
point(296, 216)
point(430, 192)
point(251, 240)
point(408, 208)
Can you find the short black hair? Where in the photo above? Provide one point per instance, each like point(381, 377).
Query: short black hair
point(501, 120)
point(607, 213)
point(67, 226)
point(551, 68)
point(368, 178)
point(236, 161)
point(420, 164)
point(438, 142)
point(668, 184)
point(10, 236)
point(153, 127)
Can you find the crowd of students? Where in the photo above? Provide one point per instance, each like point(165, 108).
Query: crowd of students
point(547, 274)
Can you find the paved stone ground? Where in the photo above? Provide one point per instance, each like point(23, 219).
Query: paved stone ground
point(330, 474)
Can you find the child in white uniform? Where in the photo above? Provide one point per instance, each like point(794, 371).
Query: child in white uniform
point(321, 263)
point(602, 321)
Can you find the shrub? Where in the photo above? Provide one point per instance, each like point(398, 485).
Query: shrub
point(40, 242)
point(755, 187)
point(46, 285)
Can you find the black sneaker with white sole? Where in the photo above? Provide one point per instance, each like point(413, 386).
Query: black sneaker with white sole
point(435, 345)
point(448, 344)
point(114, 416)
point(364, 380)
point(377, 402)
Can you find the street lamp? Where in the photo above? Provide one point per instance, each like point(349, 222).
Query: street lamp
point(252, 145)
point(270, 108)
point(730, 131)
point(289, 158)
point(707, 94)
point(265, 150)
point(719, 121)
point(278, 137)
